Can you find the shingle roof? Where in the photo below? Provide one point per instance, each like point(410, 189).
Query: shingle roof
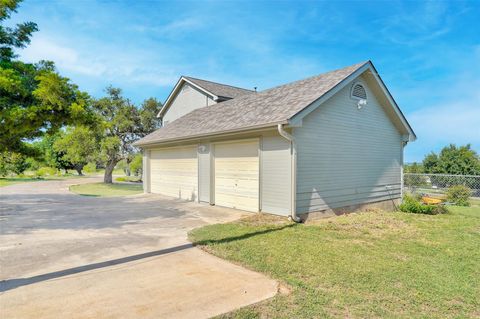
point(272, 106)
point(220, 90)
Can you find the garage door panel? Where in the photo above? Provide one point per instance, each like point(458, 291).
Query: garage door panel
point(234, 201)
point(236, 175)
point(174, 172)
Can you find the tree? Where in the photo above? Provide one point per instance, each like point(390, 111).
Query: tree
point(137, 165)
point(34, 99)
point(430, 163)
point(12, 163)
point(460, 160)
point(121, 123)
point(44, 152)
point(79, 146)
point(148, 116)
point(11, 38)
point(413, 168)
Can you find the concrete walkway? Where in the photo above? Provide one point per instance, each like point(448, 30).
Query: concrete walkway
point(69, 256)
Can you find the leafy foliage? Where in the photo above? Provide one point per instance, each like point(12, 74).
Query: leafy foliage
point(90, 168)
point(78, 145)
point(411, 204)
point(121, 123)
point(46, 154)
point(459, 195)
point(413, 168)
point(11, 38)
point(34, 98)
point(460, 160)
point(137, 164)
point(12, 163)
point(45, 171)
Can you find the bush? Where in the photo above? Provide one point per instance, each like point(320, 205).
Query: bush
point(128, 179)
point(411, 204)
point(136, 165)
point(33, 164)
point(459, 195)
point(11, 162)
point(90, 168)
point(43, 171)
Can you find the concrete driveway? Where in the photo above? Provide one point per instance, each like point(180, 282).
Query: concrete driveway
point(70, 256)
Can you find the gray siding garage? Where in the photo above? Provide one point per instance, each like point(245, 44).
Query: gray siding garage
point(247, 173)
point(332, 141)
point(354, 158)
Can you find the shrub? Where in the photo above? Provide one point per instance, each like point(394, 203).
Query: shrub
point(127, 179)
point(136, 165)
point(411, 204)
point(33, 164)
point(459, 195)
point(43, 171)
point(90, 168)
point(11, 162)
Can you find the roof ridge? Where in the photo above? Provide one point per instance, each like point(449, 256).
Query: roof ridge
point(357, 65)
point(218, 83)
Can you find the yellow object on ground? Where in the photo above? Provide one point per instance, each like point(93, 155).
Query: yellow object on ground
point(430, 200)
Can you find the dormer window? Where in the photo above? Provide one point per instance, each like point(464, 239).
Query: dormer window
point(358, 92)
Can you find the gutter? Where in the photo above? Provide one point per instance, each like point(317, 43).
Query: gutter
point(206, 135)
point(293, 215)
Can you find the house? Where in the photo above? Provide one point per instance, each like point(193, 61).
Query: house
point(326, 144)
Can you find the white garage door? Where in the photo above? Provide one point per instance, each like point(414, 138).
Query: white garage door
point(174, 172)
point(236, 175)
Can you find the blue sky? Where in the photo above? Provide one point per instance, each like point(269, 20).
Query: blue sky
point(428, 53)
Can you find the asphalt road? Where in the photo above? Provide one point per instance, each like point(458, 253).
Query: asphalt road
point(65, 255)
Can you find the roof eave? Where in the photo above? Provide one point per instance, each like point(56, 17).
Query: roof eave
point(215, 134)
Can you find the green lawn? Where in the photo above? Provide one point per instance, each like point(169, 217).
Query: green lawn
point(368, 265)
point(5, 181)
point(106, 190)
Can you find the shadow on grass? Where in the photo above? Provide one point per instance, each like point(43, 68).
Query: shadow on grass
point(10, 284)
point(240, 237)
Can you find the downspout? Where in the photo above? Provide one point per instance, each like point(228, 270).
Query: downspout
point(293, 215)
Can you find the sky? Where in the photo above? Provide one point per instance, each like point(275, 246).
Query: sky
point(428, 53)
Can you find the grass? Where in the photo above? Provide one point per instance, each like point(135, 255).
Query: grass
point(5, 181)
point(106, 190)
point(368, 265)
point(135, 179)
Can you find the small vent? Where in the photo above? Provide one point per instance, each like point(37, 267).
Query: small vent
point(358, 92)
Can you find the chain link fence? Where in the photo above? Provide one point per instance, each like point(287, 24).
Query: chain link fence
point(438, 184)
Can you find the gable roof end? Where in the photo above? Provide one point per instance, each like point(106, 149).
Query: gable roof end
point(216, 91)
point(220, 90)
point(366, 67)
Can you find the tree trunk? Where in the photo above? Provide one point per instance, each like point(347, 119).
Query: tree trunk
point(79, 169)
point(107, 178)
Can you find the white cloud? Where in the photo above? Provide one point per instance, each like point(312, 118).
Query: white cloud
point(429, 21)
point(456, 122)
point(100, 63)
point(170, 29)
point(64, 57)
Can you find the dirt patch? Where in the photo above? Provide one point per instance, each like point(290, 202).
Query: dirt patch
point(374, 223)
point(262, 219)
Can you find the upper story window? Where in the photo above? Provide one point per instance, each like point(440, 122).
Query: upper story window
point(358, 92)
